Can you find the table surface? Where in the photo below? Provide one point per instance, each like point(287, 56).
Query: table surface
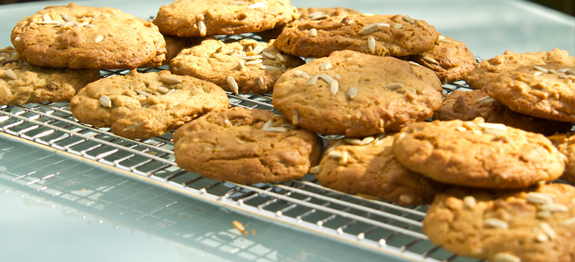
point(91, 221)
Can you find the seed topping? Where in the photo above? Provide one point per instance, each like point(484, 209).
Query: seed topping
point(495, 222)
point(539, 198)
point(10, 74)
point(325, 66)
point(232, 84)
point(105, 101)
point(172, 80)
point(202, 28)
point(371, 44)
point(240, 227)
point(371, 28)
point(99, 38)
point(315, 169)
point(301, 74)
point(469, 201)
point(312, 32)
point(257, 5)
point(505, 257)
point(352, 92)
point(408, 19)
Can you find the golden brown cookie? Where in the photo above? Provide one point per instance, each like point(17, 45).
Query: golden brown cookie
point(487, 70)
point(145, 105)
point(368, 167)
point(176, 44)
point(383, 35)
point(468, 105)
point(22, 83)
point(354, 94)
point(478, 154)
point(567, 147)
point(534, 225)
point(450, 59)
point(544, 91)
point(246, 146)
point(244, 66)
point(88, 37)
point(187, 18)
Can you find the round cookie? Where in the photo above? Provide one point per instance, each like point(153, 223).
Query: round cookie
point(140, 106)
point(176, 44)
point(487, 70)
point(246, 146)
point(22, 83)
point(186, 18)
point(567, 147)
point(354, 94)
point(244, 66)
point(537, 224)
point(383, 35)
point(468, 105)
point(478, 154)
point(368, 167)
point(451, 60)
point(545, 91)
point(88, 37)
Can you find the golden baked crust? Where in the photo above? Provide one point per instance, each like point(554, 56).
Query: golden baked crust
point(22, 83)
point(254, 66)
point(88, 37)
point(383, 35)
point(567, 147)
point(534, 225)
point(246, 146)
point(140, 106)
point(368, 167)
point(187, 18)
point(478, 154)
point(354, 94)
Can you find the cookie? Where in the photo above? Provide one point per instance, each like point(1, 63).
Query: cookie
point(22, 83)
point(567, 147)
point(176, 44)
point(368, 167)
point(450, 59)
point(383, 35)
point(244, 66)
point(140, 106)
point(545, 91)
point(88, 37)
point(186, 18)
point(537, 224)
point(354, 94)
point(468, 105)
point(478, 154)
point(487, 70)
point(246, 146)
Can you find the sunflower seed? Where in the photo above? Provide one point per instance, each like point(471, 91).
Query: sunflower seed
point(10, 74)
point(393, 86)
point(569, 71)
point(258, 49)
point(105, 101)
point(491, 128)
point(312, 32)
point(494, 222)
point(202, 28)
point(260, 82)
point(327, 78)
point(397, 26)
point(315, 170)
point(469, 201)
point(371, 44)
point(281, 57)
point(252, 57)
point(144, 93)
point(542, 69)
point(266, 54)
point(254, 62)
point(335, 154)
point(334, 87)
point(257, 5)
point(446, 40)
point(242, 65)
point(352, 141)
point(163, 90)
point(276, 129)
point(414, 63)
point(554, 207)
point(486, 99)
point(65, 17)
point(232, 84)
point(430, 60)
point(325, 66)
point(352, 92)
point(171, 80)
point(367, 140)
point(269, 124)
point(47, 18)
point(541, 237)
point(569, 221)
point(271, 68)
point(543, 214)
point(461, 129)
point(548, 230)
point(300, 73)
point(371, 28)
point(539, 198)
point(240, 227)
point(408, 19)
point(295, 117)
point(99, 38)
point(505, 257)
point(17, 39)
point(318, 15)
point(312, 80)
point(132, 127)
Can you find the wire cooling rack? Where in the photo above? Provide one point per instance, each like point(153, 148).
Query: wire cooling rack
point(303, 203)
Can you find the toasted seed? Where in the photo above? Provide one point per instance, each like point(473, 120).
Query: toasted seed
point(312, 32)
point(430, 60)
point(446, 40)
point(105, 101)
point(10, 74)
point(539, 198)
point(281, 57)
point(251, 57)
point(541, 237)
point(505, 257)
point(258, 49)
point(344, 157)
point(232, 84)
point(242, 65)
point(300, 73)
point(548, 230)
point(65, 17)
point(315, 169)
point(408, 19)
point(99, 38)
point(239, 141)
point(163, 90)
point(325, 66)
point(47, 18)
point(266, 54)
point(335, 154)
point(486, 99)
point(328, 79)
point(334, 87)
point(495, 222)
point(542, 69)
point(405, 199)
point(260, 82)
point(295, 118)
point(493, 128)
point(257, 5)
point(352, 141)
point(569, 71)
point(318, 16)
point(352, 92)
point(554, 207)
point(277, 129)
point(543, 214)
point(469, 201)
point(271, 68)
point(461, 129)
point(144, 93)
point(371, 44)
point(569, 221)
point(312, 80)
point(397, 25)
point(371, 28)
point(240, 227)
point(132, 127)
point(269, 124)
point(254, 62)
point(538, 73)
point(414, 63)
point(367, 140)
point(202, 28)
point(171, 80)
point(393, 86)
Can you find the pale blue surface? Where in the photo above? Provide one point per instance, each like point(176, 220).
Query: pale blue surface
point(100, 216)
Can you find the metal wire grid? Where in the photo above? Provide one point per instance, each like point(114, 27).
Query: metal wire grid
point(303, 203)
